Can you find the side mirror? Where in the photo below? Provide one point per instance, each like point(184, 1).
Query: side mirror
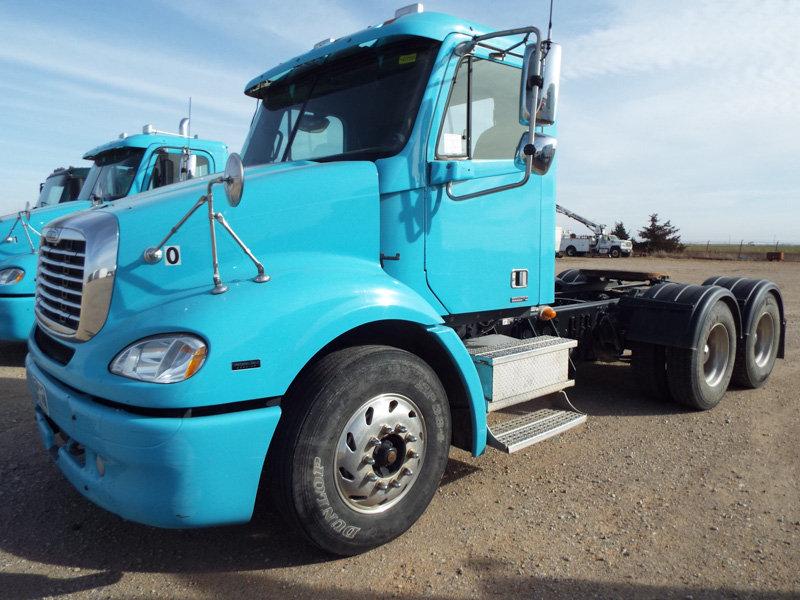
point(551, 81)
point(188, 166)
point(542, 152)
point(234, 179)
point(550, 71)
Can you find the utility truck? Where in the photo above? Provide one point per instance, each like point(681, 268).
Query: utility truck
point(602, 241)
point(123, 167)
point(372, 291)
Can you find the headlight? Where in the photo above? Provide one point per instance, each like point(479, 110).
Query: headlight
point(161, 359)
point(11, 276)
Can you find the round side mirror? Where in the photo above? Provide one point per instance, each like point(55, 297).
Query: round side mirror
point(234, 179)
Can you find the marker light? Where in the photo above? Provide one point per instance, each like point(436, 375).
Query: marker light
point(166, 358)
point(547, 314)
point(11, 276)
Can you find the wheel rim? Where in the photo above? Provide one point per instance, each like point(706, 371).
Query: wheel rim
point(765, 338)
point(716, 354)
point(380, 453)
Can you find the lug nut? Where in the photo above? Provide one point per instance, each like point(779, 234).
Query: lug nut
point(372, 477)
point(368, 460)
point(382, 487)
point(374, 442)
point(401, 429)
point(411, 438)
point(406, 472)
point(386, 430)
point(394, 484)
point(412, 454)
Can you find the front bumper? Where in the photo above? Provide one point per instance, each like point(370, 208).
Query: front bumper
point(16, 318)
point(167, 472)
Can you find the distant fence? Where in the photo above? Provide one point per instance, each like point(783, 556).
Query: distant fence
point(741, 251)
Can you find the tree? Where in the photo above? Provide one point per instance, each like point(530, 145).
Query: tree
point(620, 231)
point(660, 237)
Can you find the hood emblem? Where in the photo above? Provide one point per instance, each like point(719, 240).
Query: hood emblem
point(53, 235)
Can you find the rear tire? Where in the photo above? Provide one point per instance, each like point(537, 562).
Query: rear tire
point(319, 466)
point(755, 357)
point(699, 378)
point(649, 365)
point(571, 251)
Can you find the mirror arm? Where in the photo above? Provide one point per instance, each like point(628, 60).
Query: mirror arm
point(537, 62)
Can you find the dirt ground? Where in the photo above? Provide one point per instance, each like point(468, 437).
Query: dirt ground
point(647, 500)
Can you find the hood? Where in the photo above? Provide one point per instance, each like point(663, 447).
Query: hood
point(39, 217)
point(286, 209)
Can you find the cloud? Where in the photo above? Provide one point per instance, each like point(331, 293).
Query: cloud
point(686, 109)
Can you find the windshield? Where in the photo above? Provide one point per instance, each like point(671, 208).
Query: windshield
point(53, 189)
point(112, 174)
point(358, 105)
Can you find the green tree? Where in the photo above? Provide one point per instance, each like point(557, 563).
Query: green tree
point(660, 237)
point(620, 231)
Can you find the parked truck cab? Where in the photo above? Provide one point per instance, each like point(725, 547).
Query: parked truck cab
point(379, 280)
point(123, 167)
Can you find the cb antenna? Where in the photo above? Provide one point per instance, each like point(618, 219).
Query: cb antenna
point(550, 22)
point(190, 98)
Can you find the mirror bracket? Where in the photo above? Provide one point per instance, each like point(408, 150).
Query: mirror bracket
point(233, 180)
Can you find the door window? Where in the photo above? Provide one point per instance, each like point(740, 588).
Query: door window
point(490, 129)
point(167, 168)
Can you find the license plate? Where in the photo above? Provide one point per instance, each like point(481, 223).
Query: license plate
point(41, 395)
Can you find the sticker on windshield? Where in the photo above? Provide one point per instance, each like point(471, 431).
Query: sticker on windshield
point(172, 256)
point(408, 58)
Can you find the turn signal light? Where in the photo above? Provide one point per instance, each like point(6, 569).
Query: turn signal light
point(547, 313)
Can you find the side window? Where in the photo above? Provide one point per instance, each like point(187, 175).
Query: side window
point(490, 129)
point(167, 168)
point(201, 166)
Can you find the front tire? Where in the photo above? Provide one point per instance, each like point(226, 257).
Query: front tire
point(361, 448)
point(699, 378)
point(614, 253)
point(755, 358)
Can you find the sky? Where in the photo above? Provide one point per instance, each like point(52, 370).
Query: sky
point(688, 109)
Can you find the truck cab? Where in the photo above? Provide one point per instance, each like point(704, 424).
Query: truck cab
point(126, 166)
point(352, 296)
point(62, 185)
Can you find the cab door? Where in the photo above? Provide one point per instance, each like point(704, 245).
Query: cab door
point(483, 254)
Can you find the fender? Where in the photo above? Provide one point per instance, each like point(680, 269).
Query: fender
point(321, 299)
point(670, 314)
point(749, 293)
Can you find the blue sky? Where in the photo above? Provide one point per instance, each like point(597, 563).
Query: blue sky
point(685, 108)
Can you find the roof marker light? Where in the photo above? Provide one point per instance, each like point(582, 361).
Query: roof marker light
point(409, 10)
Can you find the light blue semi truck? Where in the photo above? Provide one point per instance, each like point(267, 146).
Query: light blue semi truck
point(380, 280)
point(123, 167)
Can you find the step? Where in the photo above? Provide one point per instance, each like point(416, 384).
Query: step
point(520, 432)
point(515, 370)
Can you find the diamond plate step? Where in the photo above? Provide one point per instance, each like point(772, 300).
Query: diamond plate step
point(518, 433)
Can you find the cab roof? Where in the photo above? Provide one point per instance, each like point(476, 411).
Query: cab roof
point(436, 26)
point(144, 140)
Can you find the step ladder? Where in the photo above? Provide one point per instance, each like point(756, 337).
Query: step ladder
point(513, 371)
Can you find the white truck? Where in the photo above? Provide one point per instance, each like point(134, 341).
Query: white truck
point(601, 241)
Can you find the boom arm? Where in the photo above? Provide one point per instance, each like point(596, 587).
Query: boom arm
point(595, 227)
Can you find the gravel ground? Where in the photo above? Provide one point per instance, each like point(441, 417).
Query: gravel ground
point(647, 500)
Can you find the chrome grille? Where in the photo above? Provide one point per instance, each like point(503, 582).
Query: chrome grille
point(60, 279)
point(75, 276)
